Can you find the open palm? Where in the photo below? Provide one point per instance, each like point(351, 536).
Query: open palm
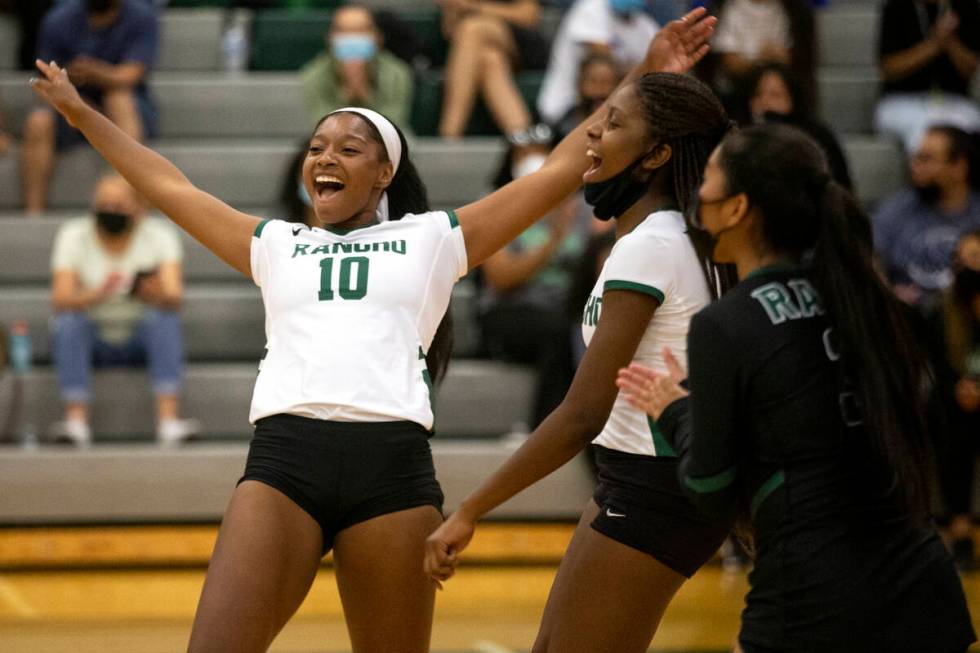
point(680, 45)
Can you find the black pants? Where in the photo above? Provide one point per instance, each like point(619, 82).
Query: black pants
point(29, 14)
point(534, 336)
point(956, 461)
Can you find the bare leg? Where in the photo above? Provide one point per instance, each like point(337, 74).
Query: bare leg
point(120, 107)
point(37, 159)
point(607, 597)
point(501, 94)
point(76, 410)
point(168, 407)
point(473, 36)
point(264, 561)
point(388, 600)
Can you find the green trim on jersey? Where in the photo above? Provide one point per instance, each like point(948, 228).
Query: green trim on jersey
point(774, 483)
point(259, 227)
point(344, 232)
point(660, 444)
point(427, 378)
point(615, 284)
point(782, 266)
point(453, 218)
point(714, 483)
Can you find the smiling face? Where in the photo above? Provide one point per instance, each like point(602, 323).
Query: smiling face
point(345, 171)
point(619, 138)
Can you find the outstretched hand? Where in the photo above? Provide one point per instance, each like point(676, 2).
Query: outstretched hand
point(651, 391)
point(56, 89)
point(443, 547)
point(680, 45)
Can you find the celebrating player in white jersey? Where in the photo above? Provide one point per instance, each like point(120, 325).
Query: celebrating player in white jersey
point(639, 537)
point(340, 457)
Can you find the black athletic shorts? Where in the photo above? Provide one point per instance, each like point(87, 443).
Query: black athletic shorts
point(641, 505)
point(344, 473)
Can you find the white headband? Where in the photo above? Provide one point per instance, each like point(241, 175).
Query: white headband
point(392, 143)
point(389, 135)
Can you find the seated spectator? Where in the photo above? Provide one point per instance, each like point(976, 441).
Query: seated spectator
point(774, 94)
point(616, 28)
point(116, 292)
point(523, 314)
point(356, 71)
point(753, 32)
point(928, 52)
point(489, 40)
point(598, 77)
point(108, 47)
point(916, 230)
point(961, 322)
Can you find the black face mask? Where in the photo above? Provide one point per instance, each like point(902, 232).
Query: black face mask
point(113, 224)
point(967, 283)
point(929, 194)
point(612, 197)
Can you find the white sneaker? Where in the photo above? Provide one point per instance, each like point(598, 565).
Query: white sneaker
point(71, 431)
point(172, 432)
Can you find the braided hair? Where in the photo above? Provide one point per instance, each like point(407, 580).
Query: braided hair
point(685, 114)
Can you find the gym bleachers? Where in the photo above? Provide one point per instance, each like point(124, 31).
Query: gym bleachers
point(233, 134)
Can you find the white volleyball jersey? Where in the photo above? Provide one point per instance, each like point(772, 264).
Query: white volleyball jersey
point(657, 258)
point(350, 315)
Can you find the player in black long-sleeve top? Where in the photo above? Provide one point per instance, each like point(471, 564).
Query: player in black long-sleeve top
point(807, 415)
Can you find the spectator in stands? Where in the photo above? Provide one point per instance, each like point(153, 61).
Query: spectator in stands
point(294, 199)
point(916, 230)
point(523, 313)
point(356, 71)
point(961, 328)
point(110, 47)
point(598, 76)
point(116, 291)
point(616, 28)
point(773, 93)
point(489, 40)
point(928, 52)
point(753, 32)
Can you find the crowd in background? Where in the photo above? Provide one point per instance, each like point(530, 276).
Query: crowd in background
point(762, 65)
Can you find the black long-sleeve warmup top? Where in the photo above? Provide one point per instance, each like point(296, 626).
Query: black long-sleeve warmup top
point(772, 428)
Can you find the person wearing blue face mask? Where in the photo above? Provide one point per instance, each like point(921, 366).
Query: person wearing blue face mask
point(355, 70)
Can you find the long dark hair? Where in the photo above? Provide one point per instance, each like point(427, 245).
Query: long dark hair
point(684, 113)
point(407, 194)
point(806, 216)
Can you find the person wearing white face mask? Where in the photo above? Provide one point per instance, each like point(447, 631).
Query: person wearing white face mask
point(355, 70)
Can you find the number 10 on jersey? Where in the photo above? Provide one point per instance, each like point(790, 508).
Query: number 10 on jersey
point(352, 282)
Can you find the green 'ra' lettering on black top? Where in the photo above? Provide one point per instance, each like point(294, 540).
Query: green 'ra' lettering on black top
point(395, 246)
point(800, 301)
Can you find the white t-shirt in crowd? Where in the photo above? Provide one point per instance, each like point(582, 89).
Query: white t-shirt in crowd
point(77, 248)
point(350, 315)
point(589, 21)
point(746, 26)
point(657, 258)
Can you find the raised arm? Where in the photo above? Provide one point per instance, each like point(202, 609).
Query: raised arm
point(493, 221)
point(222, 229)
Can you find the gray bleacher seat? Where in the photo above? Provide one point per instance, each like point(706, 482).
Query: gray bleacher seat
point(190, 39)
point(221, 322)
point(260, 105)
point(848, 98)
point(9, 39)
point(247, 172)
point(25, 254)
point(848, 35)
point(877, 165)
point(477, 399)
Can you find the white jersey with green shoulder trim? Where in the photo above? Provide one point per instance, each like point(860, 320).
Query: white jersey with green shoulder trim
point(349, 316)
point(658, 259)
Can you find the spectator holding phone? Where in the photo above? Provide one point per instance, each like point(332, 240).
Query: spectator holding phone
point(116, 291)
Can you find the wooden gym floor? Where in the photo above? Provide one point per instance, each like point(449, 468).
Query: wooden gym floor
point(134, 589)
